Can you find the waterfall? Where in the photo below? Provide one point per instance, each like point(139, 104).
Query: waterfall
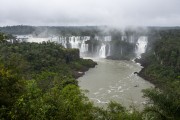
point(62, 41)
point(141, 46)
point(121, 50)
point(84, 47)
point(102, 51)
point(131, 39)
point(79, 43)
point(107, 38)
point(74, 41)
point(123, 38)
point(109, 50)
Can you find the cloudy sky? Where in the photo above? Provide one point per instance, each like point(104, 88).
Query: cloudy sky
point(90, 12)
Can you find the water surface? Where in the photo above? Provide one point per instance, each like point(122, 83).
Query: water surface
point(114, 80)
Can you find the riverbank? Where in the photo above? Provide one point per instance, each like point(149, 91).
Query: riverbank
point(147, 78)
point(81, 71)
point(142, 74)
point(118, 58)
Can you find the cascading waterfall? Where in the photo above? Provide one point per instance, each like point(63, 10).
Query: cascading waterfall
point(102, 51)
point(109, 50)
point(79, 42)
point(131, 39)
point(62, 41)
point(141, 46)
point(107, 38)
point(84, 47)
point(121, 51)
point(74, 42)
point(123, 38)
point(100, 47)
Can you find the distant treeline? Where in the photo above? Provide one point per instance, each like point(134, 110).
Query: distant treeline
point(70, 30)
point(48, 30)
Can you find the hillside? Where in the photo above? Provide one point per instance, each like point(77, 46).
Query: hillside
point(162, 67)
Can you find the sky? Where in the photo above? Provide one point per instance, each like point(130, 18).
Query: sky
point(90, 12)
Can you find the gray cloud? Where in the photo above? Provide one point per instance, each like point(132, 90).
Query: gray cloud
point(90, 12)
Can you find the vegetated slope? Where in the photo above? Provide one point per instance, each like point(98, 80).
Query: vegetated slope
point(162, 67)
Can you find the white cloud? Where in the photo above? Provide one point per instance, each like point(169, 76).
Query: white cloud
point(90, 12)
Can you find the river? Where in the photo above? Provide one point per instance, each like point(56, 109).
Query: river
point(116, 81)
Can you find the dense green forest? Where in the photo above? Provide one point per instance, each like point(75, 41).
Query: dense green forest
point(162, 67)
point(38, 82)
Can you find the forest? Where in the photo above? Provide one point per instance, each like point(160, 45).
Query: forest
point(38, 81)
point(162, 67)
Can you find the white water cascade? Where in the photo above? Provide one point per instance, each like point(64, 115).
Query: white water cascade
point(62, 41)
point(141, 46)
point(121, 51)
point(74, 42)
point(79, 43)
point(102, 51)
point(109, 50)
point(84, 47)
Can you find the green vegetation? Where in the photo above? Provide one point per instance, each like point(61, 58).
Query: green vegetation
point(162, 67)
point(4, 37)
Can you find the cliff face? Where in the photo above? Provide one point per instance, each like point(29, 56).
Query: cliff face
point(71, 55)
point(121, 50)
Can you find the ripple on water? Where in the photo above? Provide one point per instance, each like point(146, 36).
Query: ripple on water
point(116, 82)
point(119, 87)
point(121, 91)
point(115, 96)
point(96, 93)
point(99, 101)
point(109, 91)
point(101, 88)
